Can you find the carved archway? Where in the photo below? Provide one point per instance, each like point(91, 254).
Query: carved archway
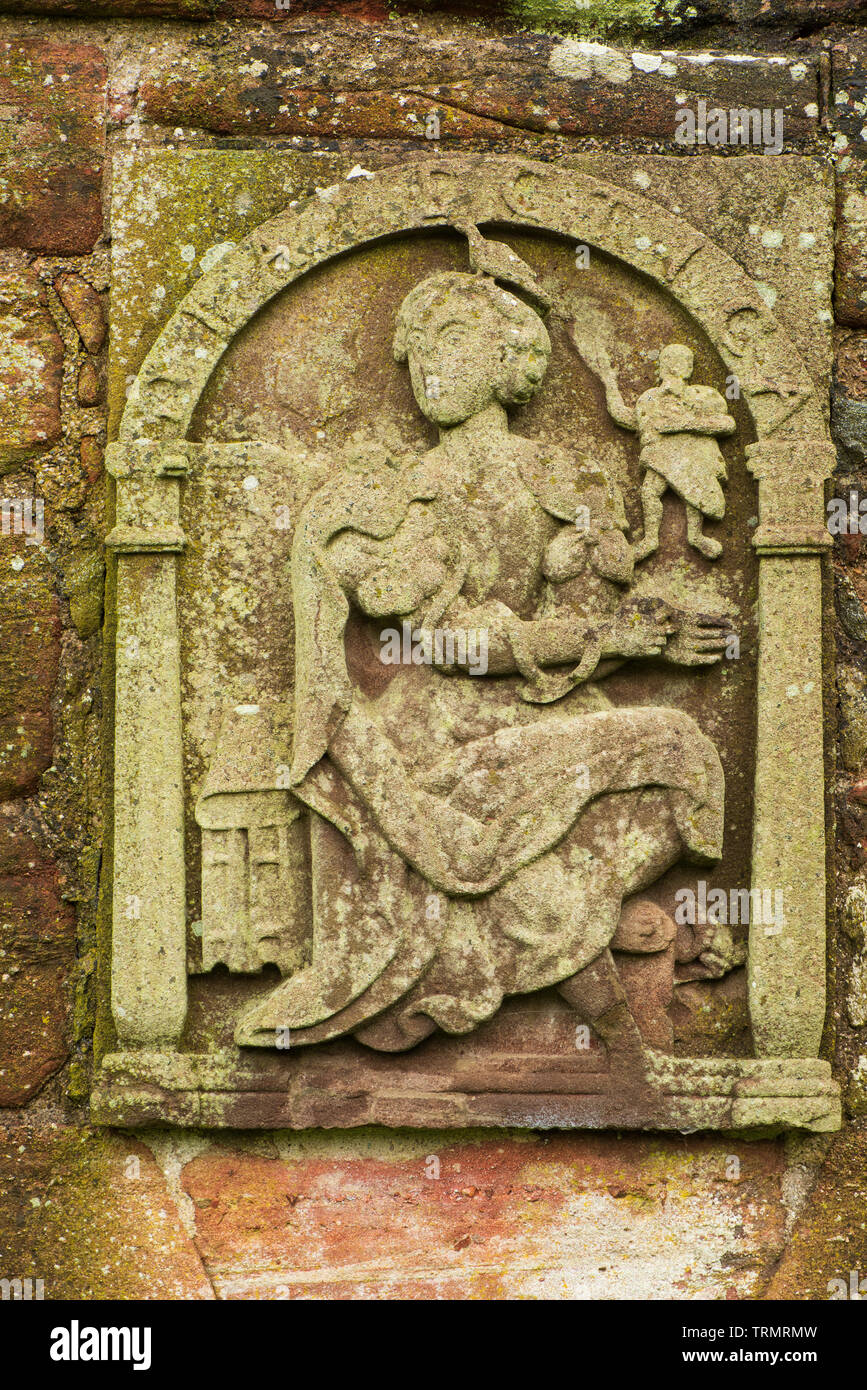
point(703, 277)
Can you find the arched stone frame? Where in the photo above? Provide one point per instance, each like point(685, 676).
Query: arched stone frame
point(791, 459)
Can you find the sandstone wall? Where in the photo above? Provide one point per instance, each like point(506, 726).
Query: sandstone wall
point(366, 1213)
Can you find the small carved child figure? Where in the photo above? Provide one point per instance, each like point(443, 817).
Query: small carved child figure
point(677, 426)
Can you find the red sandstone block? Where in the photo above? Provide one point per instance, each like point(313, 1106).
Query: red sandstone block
point(334, 83)
point(370, 10)
point(502, 1218)
point(38, 925)
point(34, 1007)
point(31, 368)
point(25, 752)
point(851, 255)
point(37, 941)
point(51, 207)
point(29, 656)
point(211, 9)
point(92, 457)
point(850, 365)
point(52, 105)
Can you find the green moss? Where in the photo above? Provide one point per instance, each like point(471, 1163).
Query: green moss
point(172, 207)
point(830, 1239)
point(84, 586)
point(596, 19)
point(78, 1214)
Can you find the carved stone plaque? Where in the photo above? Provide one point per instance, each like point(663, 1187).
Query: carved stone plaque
point(468, 643)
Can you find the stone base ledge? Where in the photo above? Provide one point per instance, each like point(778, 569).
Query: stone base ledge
point(227, 1090)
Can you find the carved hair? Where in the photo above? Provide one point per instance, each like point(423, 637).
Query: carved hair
point(474, 293)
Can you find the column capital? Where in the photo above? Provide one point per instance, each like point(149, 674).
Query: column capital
point(147, 473)
point(148, 458)
point(791, 460)
point(791, 474)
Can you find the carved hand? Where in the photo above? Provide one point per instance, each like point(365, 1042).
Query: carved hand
point(641, 628)
point(700, 639)
point(584, 334)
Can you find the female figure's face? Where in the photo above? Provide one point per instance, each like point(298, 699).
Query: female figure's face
point(464, 355)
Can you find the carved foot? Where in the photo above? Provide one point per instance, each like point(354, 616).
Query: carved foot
point(646, 546)
point(712, 549)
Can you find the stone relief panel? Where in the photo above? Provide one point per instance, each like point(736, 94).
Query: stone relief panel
point(452, 633)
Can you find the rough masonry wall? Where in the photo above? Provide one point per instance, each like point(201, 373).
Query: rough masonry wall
point(487, 1214)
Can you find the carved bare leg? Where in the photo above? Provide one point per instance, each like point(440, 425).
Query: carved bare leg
point(652, 490)
point(696, 537)
point(599, 997)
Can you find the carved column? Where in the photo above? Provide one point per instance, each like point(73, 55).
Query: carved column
point(787, 958)
point(148, 970)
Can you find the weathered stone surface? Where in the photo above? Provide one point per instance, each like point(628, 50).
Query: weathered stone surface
point(851, 268)
point(36, 954)
point(51, 110)
point(852, 694)
point(513, 97)
point(850, 609)
point(772, 215)
point(29, 654)
point(54, 209)
point(372, 10)
point(849, 430)
point(81, 301)
point(237, 745)
point(850, 365)
point(92, 457)
point(25, 751)
point(83, 581)
point(856, 997)
point(94, 1217)
point(847, 91)
point(192, 210)
point(195, 206)
point(88, 389)
point(677, 19)
point(830, 1239)
point(34, 1009)
point(484, 86)
point(854, 915)
point(714, 1016)
point(856, 1090)
point(854, 924)
point(31, 367)
point(493, 1218)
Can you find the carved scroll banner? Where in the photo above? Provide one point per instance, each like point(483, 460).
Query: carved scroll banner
point(469, 537)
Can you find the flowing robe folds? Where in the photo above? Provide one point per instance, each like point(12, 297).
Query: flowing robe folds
point(471, 838)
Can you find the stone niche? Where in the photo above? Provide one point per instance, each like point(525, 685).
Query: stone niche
point(467, 637)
